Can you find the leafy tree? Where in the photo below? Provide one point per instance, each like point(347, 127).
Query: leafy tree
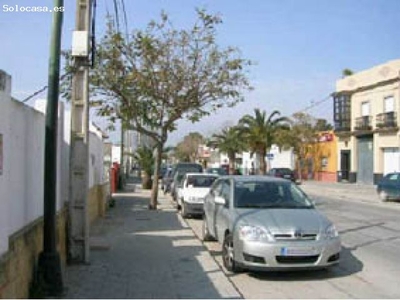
point(187, 150)
point(322, 125)
point(161, 74)
point(145, 159)
point(228, 141)
point(302, 137)
point(261, 132)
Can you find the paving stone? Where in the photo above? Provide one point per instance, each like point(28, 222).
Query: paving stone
point(146, 254)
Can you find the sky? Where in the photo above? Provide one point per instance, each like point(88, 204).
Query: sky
point(300, 47)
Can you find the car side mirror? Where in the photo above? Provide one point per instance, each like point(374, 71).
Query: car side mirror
point(219, 200)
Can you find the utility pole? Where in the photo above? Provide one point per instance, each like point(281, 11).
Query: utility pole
point(79, 156)
point(49, 264)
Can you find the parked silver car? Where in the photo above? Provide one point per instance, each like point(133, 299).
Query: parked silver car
point(266, 223)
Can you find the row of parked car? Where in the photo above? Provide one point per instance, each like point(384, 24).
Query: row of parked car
point(262, 222)
point(172, 176)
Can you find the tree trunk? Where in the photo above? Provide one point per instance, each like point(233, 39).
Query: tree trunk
point(232, 163)
point(157, 165)
point(262, 162)
point(299, 171)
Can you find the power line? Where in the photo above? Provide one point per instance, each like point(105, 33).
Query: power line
point(93, 50)
point(106, 6)
point(42, 89)
point(116, 14)
point(35, 94)
point(317, 103)
point(125, 20)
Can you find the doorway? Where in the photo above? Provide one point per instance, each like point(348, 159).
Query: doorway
point(365, 163)
point(345, 164)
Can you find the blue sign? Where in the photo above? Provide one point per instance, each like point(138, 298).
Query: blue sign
point(270, 156)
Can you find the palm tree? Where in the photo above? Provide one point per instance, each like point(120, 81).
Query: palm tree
point(260, 132)
point(228, 141)
point(144, 157)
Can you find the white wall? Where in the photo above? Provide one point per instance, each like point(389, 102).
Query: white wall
point(248, 162)
point(281, 159)
point(116, 154)
point(96, 157)
point(21, 185)
point(5, 104)
point(63, 145)
point(22, 181)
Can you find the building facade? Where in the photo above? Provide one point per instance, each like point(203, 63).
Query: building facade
point(247, 163)
point(321, 161)
point(133, 140)
point(366, 115)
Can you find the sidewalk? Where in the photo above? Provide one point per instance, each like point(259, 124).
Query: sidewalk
point(345, 191)
point(138, 253)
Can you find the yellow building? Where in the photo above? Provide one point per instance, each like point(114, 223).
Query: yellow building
point(321, 158)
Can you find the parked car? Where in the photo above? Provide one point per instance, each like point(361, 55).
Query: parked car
point(187, 167)
point(166, 181)
point(266, 223)
point(179, 170)
point(284, 173)
point(217, 171)
point(163, 170)
point(388, 187)
point(193, 191)
point(176, 184)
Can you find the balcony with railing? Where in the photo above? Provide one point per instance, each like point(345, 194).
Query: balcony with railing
point(363, 123)
point(386, 120)
point(342, 126)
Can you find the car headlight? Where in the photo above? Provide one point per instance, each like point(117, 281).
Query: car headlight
point(254, 233)
point(331, 232)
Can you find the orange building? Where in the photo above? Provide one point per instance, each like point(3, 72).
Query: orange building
point(321, 159)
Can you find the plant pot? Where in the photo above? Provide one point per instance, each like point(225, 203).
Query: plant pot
point(146, 182)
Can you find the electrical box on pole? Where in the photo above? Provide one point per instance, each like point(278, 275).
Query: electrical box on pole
point(80, 45)
point(78, 251)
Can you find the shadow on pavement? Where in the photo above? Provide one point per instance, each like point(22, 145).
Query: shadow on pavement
point(150, 254)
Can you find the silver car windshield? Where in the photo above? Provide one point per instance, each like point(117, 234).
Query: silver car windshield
point(269, 194)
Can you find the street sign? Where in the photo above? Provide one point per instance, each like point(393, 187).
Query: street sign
point(270, 156)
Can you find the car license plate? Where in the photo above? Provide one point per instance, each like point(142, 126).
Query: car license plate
point(303, 251)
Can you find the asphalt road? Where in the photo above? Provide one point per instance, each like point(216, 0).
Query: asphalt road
point(370, 258)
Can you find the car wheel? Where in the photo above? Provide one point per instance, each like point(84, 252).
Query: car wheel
point(179, 205)
point(206, 233)
point(383, 195)
point(184, 210)
point(228, 257)
point(166, 190)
